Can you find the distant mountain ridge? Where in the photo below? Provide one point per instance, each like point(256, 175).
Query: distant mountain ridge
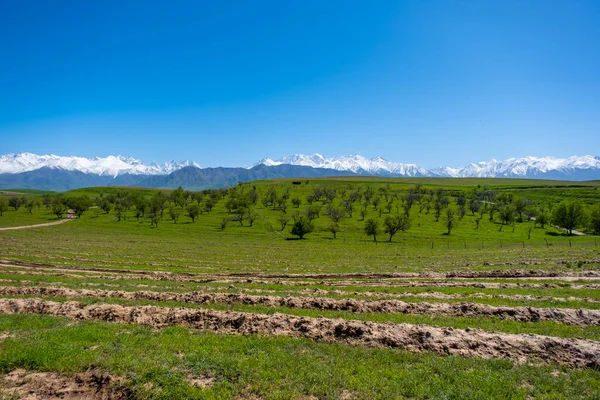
point(50, 172)
point(106, 166)
point(573, 168)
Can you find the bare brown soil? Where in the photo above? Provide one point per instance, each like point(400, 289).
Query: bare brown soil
point(445, 296)
point(468, 342)
point(175, 277)
point(522, 314)
point(508, 273)
point(31, 385)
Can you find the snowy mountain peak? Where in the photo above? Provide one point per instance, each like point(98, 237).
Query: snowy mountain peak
point(576, 167)
point(104, 166)
point(353, 163)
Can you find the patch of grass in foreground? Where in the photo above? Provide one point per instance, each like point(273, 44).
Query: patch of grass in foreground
point(156, 363)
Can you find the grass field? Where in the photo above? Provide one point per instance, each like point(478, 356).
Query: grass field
point(129, 309)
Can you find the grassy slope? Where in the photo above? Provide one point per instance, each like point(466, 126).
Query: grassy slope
point(157, 361)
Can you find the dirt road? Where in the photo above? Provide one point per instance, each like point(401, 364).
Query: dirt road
point(70, 216)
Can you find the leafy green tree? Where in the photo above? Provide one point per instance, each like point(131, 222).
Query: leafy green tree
point(393, 224)
point(250, 216)
point(543, 218)
point(302, 227)
point(15, 202)
point(30, 205)
point(372, 228)
point(334, 228)
point(79, 204)
point(507, 215)
point(594, 220)
point(569, 214)
point(450, 220)
point(193, 211)
point(335, 214)
point(174, 213)
point(58, 207)
point(3, 205)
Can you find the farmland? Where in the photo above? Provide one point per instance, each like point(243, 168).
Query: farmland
point(231, 304)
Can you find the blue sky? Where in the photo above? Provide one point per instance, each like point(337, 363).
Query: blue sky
point(227, 83)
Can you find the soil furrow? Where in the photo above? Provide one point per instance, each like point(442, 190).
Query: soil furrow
point(522, 314)
point(445, 341)
point(509, 273)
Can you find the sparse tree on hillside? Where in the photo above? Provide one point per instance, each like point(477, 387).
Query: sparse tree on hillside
point(15, 202)
point(30, 205)
point(393, 224)
point(507, 215)
point(3, 205)
point(474, 206)
point(335, 214)
point(58, 207)
point(334, 228)
point(283, 219)
point(594, 220)
point(302, 227)
point(174, 213)
point(568, 215)
point(251, 216)
point(450, 221)
point(193, 211)
point(542, 218)
point(372, 228)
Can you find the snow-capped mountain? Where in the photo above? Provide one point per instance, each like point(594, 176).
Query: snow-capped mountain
point(106, 166)
point(353, 163)
point(528, 167)
point(573, 168)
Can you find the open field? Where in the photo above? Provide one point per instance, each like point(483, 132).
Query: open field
point(133, 309)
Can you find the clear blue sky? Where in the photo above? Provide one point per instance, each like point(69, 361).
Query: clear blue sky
point(227, 83)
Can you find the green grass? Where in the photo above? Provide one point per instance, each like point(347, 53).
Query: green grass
point(156, 363)
point(276, 367)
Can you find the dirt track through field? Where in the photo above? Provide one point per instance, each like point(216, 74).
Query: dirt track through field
point(522, 314)
point(61, 221)
point(445, 341)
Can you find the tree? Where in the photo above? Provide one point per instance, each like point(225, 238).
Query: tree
point(251, 216)
point(393, 224)
point(302, 227)
point(296, 202)
point(283, 219)
point(174, 213)
point(3, 205)
point(474, 206)
point(80, 204)
point(15, 202)
point(335, 214)
point(30, 206)
point(594, 220)
point(568, 215)
point(193, 211)
point(312, 212)
point(334, 228)
point(507, 215)
point(58, 208)
point(543, 218)
point(372, 228)
point(450, 220)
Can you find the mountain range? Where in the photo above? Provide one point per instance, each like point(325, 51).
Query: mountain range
point(51, 172)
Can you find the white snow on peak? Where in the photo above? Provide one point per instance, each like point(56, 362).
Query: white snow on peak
point(522, 167)
point(111, 165)
point(354, 163)
point(512, 167)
